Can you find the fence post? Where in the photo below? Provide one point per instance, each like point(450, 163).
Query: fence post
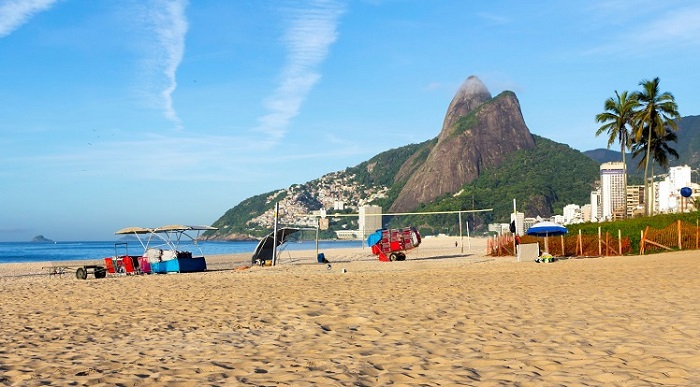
point(563, 253)
point(580, 243)
point(600, 247)
point(680, 239)
point(607, 243)
point(619, 241)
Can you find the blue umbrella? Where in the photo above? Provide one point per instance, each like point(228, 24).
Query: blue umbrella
point(546, 229)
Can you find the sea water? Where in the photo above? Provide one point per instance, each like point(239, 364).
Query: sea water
point(89, 250)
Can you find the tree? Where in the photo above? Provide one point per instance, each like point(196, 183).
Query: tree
point(657, 113)
point(660, 148)
point(617, 119)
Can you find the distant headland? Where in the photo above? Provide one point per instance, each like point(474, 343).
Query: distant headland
point(41, 239)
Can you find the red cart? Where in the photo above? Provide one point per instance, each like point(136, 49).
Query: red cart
point(390, 244)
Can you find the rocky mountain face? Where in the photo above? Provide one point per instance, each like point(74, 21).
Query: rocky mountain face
point(478, 132)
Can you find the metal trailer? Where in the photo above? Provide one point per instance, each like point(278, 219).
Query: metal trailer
point(81, 272)
point(98, 271)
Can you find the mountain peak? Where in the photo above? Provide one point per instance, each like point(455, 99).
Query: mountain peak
point(478, 133)
point(473, 87)
point(469, 96)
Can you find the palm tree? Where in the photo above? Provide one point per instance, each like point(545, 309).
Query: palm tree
point(617, 117)
point(660, 149)
point(657, 113)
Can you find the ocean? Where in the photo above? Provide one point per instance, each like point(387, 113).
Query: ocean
point(88, 250)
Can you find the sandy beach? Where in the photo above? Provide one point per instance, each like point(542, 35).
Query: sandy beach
point(446, 316)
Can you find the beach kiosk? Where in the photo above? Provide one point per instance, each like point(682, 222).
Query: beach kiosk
point(161, 248)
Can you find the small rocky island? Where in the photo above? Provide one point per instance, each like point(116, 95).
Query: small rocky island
point(41, 239)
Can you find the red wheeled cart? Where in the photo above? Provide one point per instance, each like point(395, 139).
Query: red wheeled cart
point(390, 244)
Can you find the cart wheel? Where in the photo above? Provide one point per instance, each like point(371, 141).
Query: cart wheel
point(393, 257)
point(401, 257)
point(81, 273)
point(100, 272)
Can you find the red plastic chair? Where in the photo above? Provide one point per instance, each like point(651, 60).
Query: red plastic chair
point(128, 264)
point(109, 264)
point(144, 265)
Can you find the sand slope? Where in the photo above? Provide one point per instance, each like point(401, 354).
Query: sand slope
point(458, 319)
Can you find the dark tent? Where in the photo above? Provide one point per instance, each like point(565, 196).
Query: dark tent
point(263, 252)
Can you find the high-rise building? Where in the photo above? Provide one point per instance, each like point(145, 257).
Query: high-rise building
point(679, 177)
point(613, 190)
point(596, 210)
point(635, 200)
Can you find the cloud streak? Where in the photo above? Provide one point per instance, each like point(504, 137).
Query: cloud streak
point(311, 32)
point(678, 27)
point(170, 27)
point(669, 30)
point(14, 13)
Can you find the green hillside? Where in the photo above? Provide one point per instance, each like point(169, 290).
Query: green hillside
point(542, 180)
point(379, 171)
point(234, 220)
point(382, 168)
point(688, 145)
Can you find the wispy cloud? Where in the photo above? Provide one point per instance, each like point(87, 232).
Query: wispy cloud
point(311, 32)
point(493, 18)
point(169, 23)
point(14, 13)
point(656, 29)
point(679, 27)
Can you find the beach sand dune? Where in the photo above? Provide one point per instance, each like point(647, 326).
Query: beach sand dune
point(445, 316)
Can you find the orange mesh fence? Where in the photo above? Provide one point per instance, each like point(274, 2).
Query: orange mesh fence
point(678, 235)
point(500, 246)
point(573, 246)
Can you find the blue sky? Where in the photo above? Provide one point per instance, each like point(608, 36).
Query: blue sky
point(144, 113)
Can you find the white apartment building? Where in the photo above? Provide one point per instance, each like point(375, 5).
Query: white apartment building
point(668, 191)
point(679, 177)
point(572, 214)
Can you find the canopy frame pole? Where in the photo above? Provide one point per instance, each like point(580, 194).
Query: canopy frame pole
point(318, 225)
point(274, 233)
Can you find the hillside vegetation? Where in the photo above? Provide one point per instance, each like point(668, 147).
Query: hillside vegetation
point(542, 180)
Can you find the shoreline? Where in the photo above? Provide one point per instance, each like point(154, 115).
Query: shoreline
point(232, 261)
